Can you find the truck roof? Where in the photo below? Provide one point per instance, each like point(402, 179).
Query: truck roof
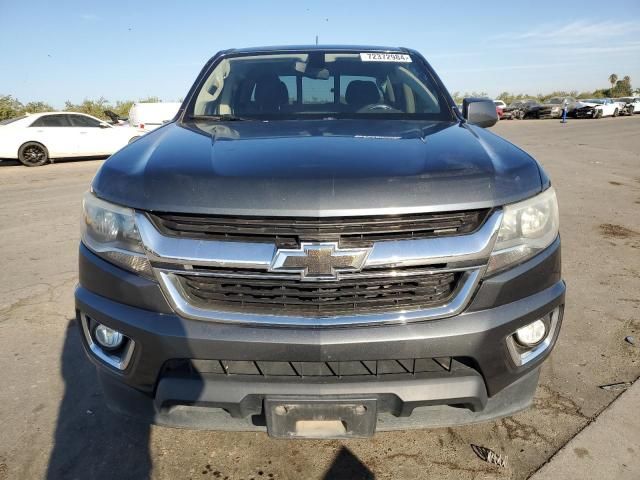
point(281, 48)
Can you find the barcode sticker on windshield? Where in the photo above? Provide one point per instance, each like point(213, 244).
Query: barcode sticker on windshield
point(385, 57)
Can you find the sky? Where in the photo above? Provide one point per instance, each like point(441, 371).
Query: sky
point(71, 50)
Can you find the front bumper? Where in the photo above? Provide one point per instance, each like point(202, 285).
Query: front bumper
point(548, 112)
point(482, 381)
point(586, 112)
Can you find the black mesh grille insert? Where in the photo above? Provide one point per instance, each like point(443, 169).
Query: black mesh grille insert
point(351, 295)
point(338, 369)
point(290, 231)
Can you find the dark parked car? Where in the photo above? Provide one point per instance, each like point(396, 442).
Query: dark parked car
point(521, 109)
point(553, 107)
point(320, 244)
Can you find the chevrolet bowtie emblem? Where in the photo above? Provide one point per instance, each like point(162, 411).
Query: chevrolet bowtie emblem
point(319, 261)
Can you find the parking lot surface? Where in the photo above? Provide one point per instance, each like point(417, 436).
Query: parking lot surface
point(55, 425)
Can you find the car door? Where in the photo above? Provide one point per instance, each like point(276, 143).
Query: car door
point(609, 107)
point(98, 137)
point(55, 133)
point(91, 139)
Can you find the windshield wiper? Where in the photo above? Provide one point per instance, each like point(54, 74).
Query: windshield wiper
point(227, 117)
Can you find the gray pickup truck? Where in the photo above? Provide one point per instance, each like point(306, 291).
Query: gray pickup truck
point(320, 244)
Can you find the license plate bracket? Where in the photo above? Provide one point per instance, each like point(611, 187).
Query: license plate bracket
point(301, 417)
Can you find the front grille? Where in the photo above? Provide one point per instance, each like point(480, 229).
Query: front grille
point(289, 232)
point(326, 370)
point(358, 293)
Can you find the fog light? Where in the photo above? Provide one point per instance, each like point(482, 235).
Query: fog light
point(531, 334)
point(107, 337)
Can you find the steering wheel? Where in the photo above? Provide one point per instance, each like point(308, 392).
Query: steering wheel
point(377, 107)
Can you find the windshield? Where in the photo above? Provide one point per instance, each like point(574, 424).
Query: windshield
point(555, 100)
point(320, 84)
point(594, 100)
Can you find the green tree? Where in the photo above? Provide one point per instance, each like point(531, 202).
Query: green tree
point(623, 88)
point(90, 107)
point(613, 78)
point(509, 98)
point(37, 107)
point(9, 107)
point(122, 108)
point(458, 97)
point(557, 93)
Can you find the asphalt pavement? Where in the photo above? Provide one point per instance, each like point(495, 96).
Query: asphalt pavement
point(55, 425)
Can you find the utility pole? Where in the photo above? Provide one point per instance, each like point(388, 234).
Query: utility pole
point(316, 39)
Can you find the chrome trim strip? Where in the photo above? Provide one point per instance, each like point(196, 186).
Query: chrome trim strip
point(178, 300)
point(462, 248)
point(191, 251)
point(119, 363)
point(363, 275)
point(475, 247)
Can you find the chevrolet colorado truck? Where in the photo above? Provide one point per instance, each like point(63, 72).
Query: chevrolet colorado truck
point(320, 244)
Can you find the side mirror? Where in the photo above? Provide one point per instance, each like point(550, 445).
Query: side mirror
point(104, 125)
point(480, 112)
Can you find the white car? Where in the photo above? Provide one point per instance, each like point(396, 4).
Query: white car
point(500, 103)
point(38, 138)
point(630, 104)
point(597, 108)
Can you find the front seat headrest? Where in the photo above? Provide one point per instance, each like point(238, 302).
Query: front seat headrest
point(361, 93)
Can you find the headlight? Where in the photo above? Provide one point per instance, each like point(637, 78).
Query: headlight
point(110, 231)
point(527, 228)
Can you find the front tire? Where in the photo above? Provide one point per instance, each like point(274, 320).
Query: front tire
point(615, 112)
point(33, 154)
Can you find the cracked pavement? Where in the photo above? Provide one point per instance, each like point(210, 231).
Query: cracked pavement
point(56, 426)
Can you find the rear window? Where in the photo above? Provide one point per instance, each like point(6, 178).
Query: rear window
point(317, 91)
point(82, 121)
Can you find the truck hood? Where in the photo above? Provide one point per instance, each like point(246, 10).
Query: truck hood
point(317, 168)
point(587, 104)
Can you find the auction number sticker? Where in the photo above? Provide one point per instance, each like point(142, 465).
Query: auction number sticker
point(385, 57)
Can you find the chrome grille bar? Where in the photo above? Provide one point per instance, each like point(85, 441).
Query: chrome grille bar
point(174, 258)
point(474, 247)
point(178, 300)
